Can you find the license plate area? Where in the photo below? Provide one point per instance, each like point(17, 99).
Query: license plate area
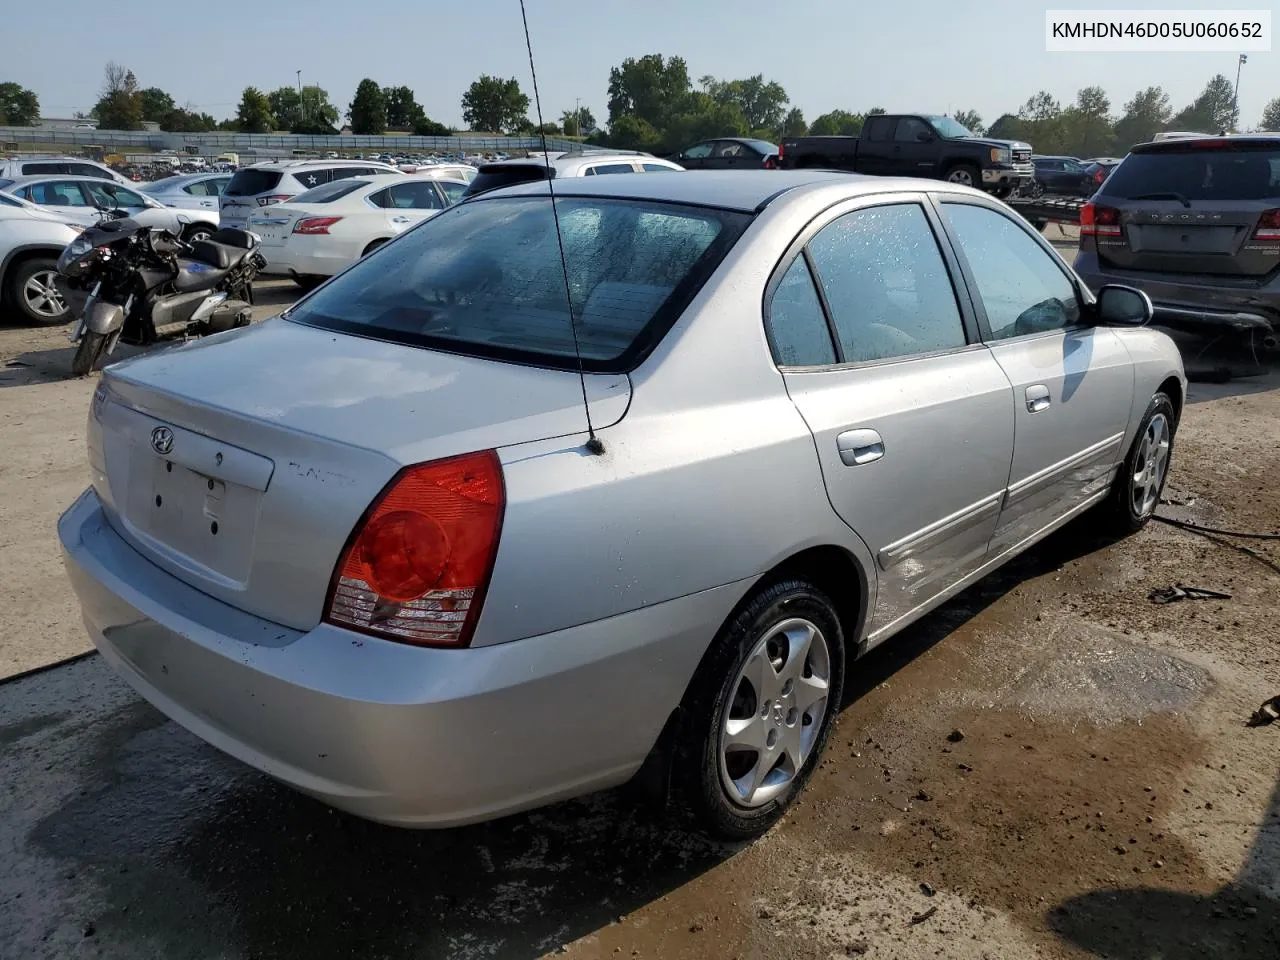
point(1161, 238)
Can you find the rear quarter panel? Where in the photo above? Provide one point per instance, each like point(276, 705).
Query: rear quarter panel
point(710, 479)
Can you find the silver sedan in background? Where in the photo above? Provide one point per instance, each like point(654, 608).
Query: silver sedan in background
point(467, 530)
point(193, 191)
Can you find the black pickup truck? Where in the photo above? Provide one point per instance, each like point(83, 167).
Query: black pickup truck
point(917, 145)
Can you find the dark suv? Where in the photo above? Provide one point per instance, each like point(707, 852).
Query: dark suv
point(1196, 224)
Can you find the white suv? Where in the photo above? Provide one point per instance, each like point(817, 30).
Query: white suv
point(57, 166)
point(31, 239)
point(506, 173)
point(275, 182)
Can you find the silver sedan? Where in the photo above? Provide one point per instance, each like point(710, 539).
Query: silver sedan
point(472, 528)
point(193, 191)
point(81, 200)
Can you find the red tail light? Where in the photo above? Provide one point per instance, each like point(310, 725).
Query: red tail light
point(1099, 221)
point(771, 163)
point(1268, 226)
point(782, 149)
point(315, 225)
point(418, 563)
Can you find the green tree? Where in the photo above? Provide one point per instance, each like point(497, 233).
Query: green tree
point(971, 120)
point(1008, 126)
point(1088, 129)
point(156, 104)
point(319, 116)
point(495, 105)
point(549, 129)
point(837, 123)
point(700, 116)
point(652, 88)
point(876, 112)
point(403, 110)
point(1042, 123)
point(793, 124)
point(426, 127)
point(1144, 116)
point(1271, 115)
point(368, 109)
point(1213, 110)
point(286, 107)
point(120, 106)
point(187, 120)
point(762, 103)
point(254, 113)
point(575, 125)
point(19, 106)
point(632, 133)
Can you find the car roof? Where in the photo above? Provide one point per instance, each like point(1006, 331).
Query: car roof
point(46, 157)
point(744, 190)
point(180, 179)
point(286, 166)
point(1181, 144)
point(63, 177)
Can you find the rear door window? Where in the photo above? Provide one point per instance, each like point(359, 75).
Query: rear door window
point(657, 168)
point(699, 151)
point(879, 128)
point(452, 190)
point(886, 284)
point(909, 129)
point(798, 332)
point(413, 196)
point(604, 168)
point(87, 170)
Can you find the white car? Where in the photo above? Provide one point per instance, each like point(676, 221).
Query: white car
point(443, 171)
point(322, 231)
point(81, 200)
point(30, 241)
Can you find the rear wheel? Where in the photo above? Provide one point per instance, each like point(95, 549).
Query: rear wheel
point(1136, 492)
point(34, 292)
point(373, 246)
point(759, 710)
point(308, 283)
point(198, 231)
point(87, 353)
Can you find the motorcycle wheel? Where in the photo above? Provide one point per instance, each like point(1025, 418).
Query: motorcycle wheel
point(87, 353)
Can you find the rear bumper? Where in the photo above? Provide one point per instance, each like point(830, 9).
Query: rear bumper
point(390, 732)
point(293, 258)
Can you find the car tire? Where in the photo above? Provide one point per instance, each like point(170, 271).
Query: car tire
point(308, 283)
point(791, 630)
point(373, 246)
point(25, 283)
point(198, 231)
point(965, 174)
point(1135, 494)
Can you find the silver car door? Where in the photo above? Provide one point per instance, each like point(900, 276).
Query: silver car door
point(1073, 384)
point(912, 417)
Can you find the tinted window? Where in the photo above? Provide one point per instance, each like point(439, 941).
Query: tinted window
point(699, 151)
point(879, 128)
point(485, 278)
point(250, 183)
point(201, 188)
point(493, 176)
point(42, 169)
point(798, 330)
point(329, 192)
point(110, 195)
point(1235, 174)
point(413, 196)
point(657, 168)
point(762, 147)
point(731, 148)
point(612, 168)
point(7, 201)
point(1021, 287)
point(886, 283)
point(88, 170)
point(909, 129)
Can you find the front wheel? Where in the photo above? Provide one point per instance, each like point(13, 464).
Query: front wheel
point(965, 174)
point(34, 292)
point(198, 231)
point(1136, 492)
point(88, 352)
point(759, 710)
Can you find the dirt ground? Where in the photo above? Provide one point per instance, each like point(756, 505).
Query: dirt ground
point(1050, 766)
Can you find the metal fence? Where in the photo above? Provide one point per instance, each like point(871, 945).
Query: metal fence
point(209, 144)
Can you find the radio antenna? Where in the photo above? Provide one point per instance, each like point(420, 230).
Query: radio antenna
point(594, 444)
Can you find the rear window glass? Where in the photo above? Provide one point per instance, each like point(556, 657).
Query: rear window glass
point(249, 183)
point(493, 177)
point(1235, 174)
point(485, 279)
point(330, 191)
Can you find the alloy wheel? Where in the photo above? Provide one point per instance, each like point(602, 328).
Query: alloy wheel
point(1150, 466)
point(777, 706)
point(41, 295)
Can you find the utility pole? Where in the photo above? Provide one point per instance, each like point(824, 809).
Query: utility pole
point(1235, 99)
point(302, 107)
point(577, 117)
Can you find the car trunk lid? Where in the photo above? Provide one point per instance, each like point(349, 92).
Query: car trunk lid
point(241, 464)
point(275, 223)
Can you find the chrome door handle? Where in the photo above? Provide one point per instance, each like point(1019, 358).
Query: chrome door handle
point(859, 446)
point(399, 219)
point(1038, 398)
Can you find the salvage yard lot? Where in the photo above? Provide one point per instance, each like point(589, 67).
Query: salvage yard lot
point(1049, 765)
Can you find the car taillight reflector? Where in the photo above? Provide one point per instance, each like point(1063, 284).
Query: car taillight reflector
point(1099, 221)
point(1268, 226)
point(418, 563)
point(315, 225)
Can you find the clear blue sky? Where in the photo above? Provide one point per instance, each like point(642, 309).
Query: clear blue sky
point(927, 55)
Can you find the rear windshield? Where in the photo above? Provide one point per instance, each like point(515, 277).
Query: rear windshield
point(485, 278)
point(250, 183)
point(329, 192)
point(493, 176)
point(1198, 174)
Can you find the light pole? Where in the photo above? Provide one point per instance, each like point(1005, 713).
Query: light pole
point(1235, 99)
point(577, 117)
point(302, 109)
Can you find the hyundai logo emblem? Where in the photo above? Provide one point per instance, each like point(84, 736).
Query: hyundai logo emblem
point(162, 440)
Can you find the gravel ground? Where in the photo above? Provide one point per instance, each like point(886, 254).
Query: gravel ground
point(1051, 765)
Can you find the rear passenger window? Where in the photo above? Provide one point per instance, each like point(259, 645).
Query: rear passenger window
point(657, 168)
point(313, 178)
point(1022, 289)
point(798, 333)
point(42, 169)
point(886, 284)
point(611, 168)
point(879, 128)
